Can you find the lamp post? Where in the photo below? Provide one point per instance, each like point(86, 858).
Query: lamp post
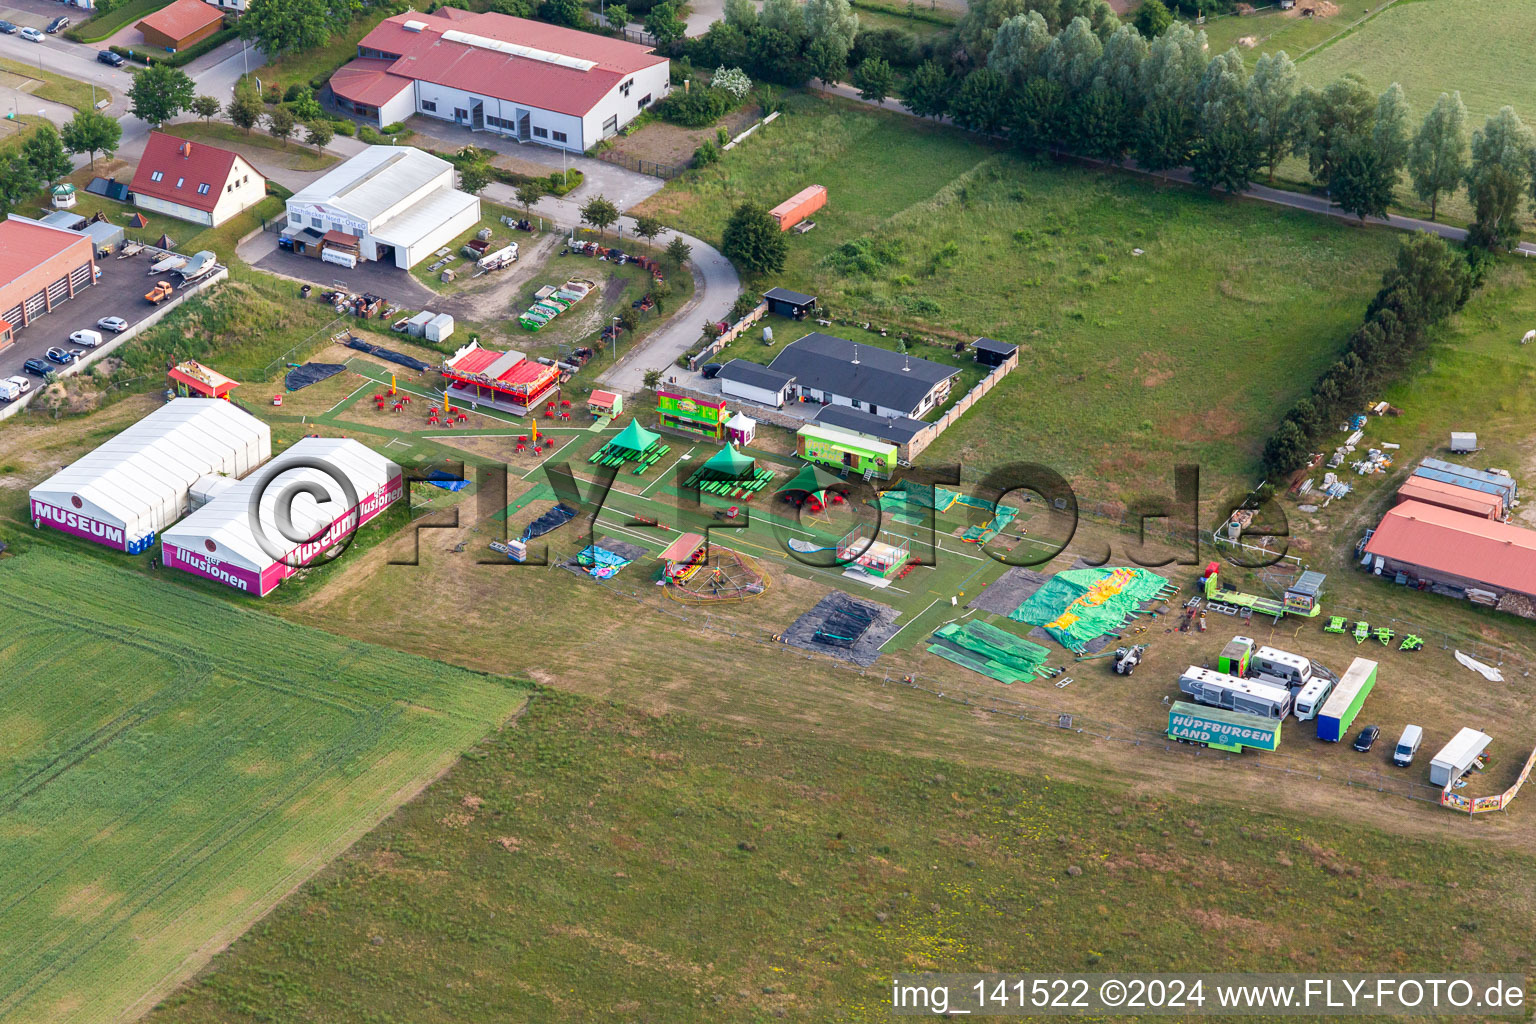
point(615, 339)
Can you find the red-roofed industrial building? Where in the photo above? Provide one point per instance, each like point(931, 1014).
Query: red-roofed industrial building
point(181, 24)
point(40, 267)
point(195, 181)
point(526, 79)
point(1485, 560)
point(1452, 496)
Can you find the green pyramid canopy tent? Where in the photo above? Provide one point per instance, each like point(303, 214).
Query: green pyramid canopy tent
point(635, 437)
point(810, 480)
point(729, 464)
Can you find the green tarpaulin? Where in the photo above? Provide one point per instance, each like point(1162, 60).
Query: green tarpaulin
point(1079, 604)
point(635, 438)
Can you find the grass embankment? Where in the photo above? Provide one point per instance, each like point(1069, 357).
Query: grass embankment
point(293, 155)
point(210, 759)
point(60, 89)
point(1188, 350)
point(599, 863)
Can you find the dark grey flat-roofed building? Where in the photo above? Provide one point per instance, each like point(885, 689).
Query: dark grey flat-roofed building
point(783, 302)
point(835, 371)
point(992, 353)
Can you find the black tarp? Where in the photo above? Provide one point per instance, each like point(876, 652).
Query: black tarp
point(551, 520)
point(384, 353)
point(311, 373)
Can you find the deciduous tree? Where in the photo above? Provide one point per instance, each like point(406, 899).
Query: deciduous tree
point(600, 212)
point(206, 107)
point(279, 27)
point(927, 91)
point(1273, 114)
point(280, 124)
point(1437, 158)
point(91, 131)
point(45, 154)
point(159, 93)
point(753, 241)
point(875, 80)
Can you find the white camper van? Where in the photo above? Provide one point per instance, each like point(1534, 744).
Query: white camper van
point(1280, 667)
point(1312, 697)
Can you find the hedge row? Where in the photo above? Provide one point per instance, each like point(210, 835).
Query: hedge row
point(181, 57)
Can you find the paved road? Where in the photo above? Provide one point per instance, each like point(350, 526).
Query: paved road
point(624, 187)
point(1262, 193)
point(716, 286)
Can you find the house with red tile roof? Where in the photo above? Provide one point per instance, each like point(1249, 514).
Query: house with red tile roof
point(528, 80)
point(194, 181)
point(180, 24)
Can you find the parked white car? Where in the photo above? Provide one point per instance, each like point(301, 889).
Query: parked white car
point(115, 324)
point(90, 339)
point(32, 35)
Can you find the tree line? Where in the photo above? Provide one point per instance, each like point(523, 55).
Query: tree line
point(1070, 76)
point(1427, 283)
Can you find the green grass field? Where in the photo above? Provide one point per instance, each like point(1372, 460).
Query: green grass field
point(597, 863)
point(1435, 46)
point(1272, 29)
point(1189, 350)
point(170, 766)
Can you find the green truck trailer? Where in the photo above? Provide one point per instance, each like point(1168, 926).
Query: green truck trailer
point(1224, 730)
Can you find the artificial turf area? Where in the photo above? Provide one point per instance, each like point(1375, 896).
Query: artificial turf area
point(172, 765)
point(600, 863)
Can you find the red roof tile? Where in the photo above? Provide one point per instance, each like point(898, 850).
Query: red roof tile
point(1497, 554)
point(367, 81)
point(182, 18)
point(23, 245)
point(190, 163)
point(426, 56)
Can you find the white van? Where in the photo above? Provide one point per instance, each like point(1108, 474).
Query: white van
point(90, 339)
point(1407, 746)
point(1312, 697)
point(12, 388)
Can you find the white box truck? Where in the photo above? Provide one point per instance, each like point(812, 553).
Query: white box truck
point(1457, 757)
point(1250, 696)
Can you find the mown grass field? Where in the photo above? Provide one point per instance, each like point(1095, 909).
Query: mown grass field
point(598, 863)
point(1189, 350)
point(170, 766)
point(1435, 46)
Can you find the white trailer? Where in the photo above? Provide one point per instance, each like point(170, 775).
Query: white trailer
point(1281, 667)
point(1250, 696)
point(1457, 757)
point(1312, 697)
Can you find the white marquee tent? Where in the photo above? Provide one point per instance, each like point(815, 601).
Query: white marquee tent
point(135, 485)
point(220, 540)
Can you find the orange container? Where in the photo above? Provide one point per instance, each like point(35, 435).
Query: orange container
point(799, 206)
